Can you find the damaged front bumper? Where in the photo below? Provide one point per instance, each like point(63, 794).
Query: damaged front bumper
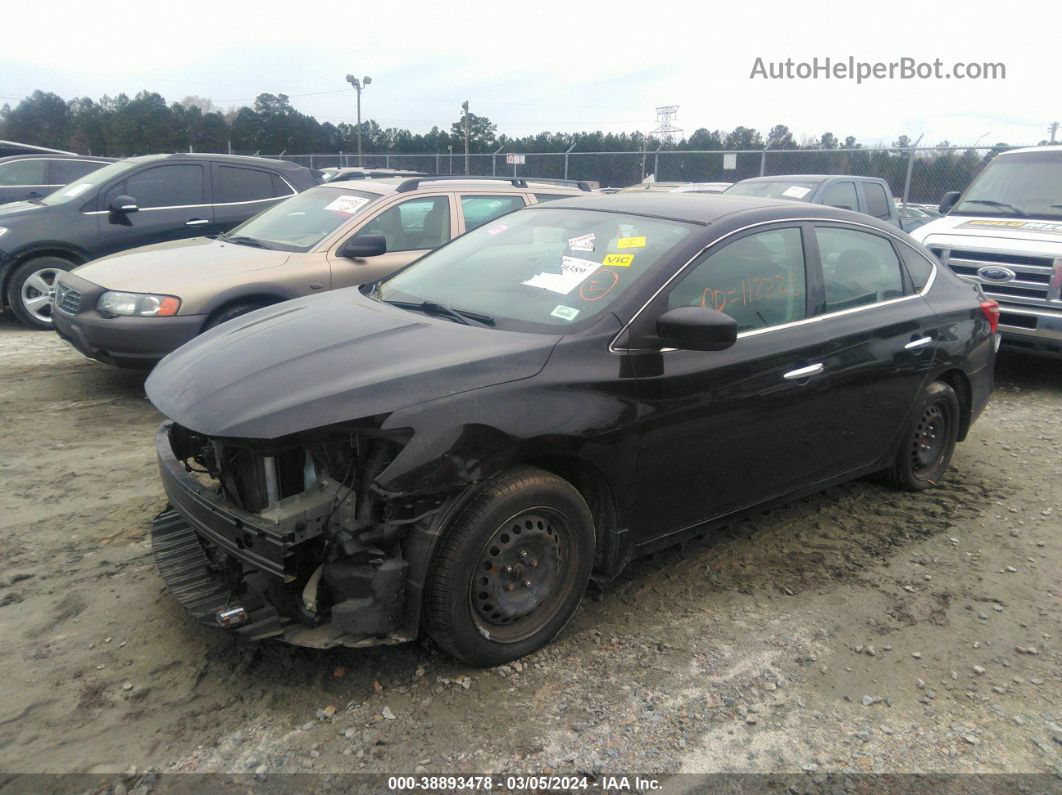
point(289, 571)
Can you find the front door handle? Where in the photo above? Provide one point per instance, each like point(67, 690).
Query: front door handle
point(804, 372)
point(919, 343)
point(197, 222)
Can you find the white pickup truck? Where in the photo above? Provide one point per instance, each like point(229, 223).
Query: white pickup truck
point(1005, 233)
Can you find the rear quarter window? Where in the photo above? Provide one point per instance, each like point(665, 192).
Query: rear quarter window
point(877, 200)
point(919, 268)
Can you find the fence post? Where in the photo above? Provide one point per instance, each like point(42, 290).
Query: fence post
point(493, 161)
point(570, 148)
point(910, 167)
point(763, 158)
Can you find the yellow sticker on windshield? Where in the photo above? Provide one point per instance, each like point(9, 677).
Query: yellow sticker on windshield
point(631, 242)
point(618, 260)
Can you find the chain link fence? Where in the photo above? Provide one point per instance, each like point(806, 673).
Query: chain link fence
point(919, 175)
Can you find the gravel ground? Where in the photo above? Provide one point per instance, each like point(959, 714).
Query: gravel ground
point(860, 630)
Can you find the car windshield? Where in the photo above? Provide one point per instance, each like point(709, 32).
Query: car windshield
point(1018, 185)
point(83, 187)
point(773, 189)
point(304, 220)
point(538, 269)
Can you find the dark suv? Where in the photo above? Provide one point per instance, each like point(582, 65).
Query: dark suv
point(35, 176)
point(126, 204)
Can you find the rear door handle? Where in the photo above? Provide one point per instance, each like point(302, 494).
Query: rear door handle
point(919, 343)
point(804, 372)
point(197, 222)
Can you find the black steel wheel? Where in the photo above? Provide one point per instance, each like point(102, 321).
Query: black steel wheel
point(512, 569)
point(928, 441)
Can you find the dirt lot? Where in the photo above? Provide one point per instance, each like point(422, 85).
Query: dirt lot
point(859, 630)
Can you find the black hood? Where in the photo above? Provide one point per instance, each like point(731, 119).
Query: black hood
point(331, 358)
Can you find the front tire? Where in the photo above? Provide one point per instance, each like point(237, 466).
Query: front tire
point(512, 569)
point(231, 311)
point(928, 441)
point(30, 290)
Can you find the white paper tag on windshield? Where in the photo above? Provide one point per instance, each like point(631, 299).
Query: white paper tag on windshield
point(582, 243)
point(564, 312)
point(347, 204)
point(796, 192)
point(573, 272)
point(77, 190)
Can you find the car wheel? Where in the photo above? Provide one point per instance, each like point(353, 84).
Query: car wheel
point(30, 290)
point(928, 441)
point(227, 313)
point(512, 569)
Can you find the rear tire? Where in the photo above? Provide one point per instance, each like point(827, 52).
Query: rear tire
point(30, 290)
point(227, 313)
point(511, 571)
point(928, 441)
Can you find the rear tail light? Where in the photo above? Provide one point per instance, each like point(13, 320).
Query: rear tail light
point(991, 310)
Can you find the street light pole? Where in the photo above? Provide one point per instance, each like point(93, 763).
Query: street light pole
point(358, 86)
point(464, 107)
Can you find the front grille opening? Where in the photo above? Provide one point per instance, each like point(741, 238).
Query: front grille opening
point(68, 299)
point(993, 257)
point(1021, 292)
point(1018, 321)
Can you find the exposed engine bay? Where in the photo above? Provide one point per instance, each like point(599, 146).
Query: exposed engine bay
point(289, 539)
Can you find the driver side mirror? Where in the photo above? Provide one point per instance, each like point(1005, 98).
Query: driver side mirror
point(364, 246)
point(696, 328)
point(123, 204)
point(948, 200)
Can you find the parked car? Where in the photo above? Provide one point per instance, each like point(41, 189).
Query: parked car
point(35, 176)
point(1004, 232)
point(127, 204)
point(132, 308)
point(463, 445)
point(702, 187)
point(862, 194)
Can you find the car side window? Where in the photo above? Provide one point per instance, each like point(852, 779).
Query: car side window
point(66, 171)
point(759, 280)
point(841, 194)
point(161, 186)
point(919, 267)
point(858, 268)
point(243, 185)
point(480, 209)
point(877, 200)
point(421, 223)
point(31, 173)
point(281, 188)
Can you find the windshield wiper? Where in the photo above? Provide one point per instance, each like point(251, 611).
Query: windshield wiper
point(1001, 205)
point(244, 241)
point(432, 308)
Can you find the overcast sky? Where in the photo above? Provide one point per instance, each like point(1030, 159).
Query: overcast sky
point(559, 66)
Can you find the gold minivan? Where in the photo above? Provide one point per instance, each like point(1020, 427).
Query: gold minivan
point(131, 309)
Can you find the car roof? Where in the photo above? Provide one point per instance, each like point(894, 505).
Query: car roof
point(55, 156)
point(804, 178)
point(396, 184)
point(705, 209)
point(1027, 149)
point(245, 160)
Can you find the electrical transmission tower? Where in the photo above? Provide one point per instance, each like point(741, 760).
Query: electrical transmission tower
point(665, 129)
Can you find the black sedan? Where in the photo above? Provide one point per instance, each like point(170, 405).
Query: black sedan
point(464, 445)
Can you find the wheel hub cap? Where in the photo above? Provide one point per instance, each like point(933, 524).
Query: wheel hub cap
point(38, 292)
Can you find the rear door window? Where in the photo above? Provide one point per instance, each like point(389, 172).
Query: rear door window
point(243, 185)
point(841, 194)
point(877, 200)
point(858, 268)
point(28, 173)
point(161, 186)
point(480, 209)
